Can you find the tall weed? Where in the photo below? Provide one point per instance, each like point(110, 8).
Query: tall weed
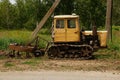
point(20, 37)
point(115, 44)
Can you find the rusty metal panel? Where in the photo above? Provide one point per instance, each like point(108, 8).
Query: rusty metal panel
point(21, 48)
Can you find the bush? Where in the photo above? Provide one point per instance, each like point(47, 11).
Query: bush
point(114, 47)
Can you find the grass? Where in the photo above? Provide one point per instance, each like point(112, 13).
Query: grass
point(107, 54)
point(20, 37)
point(32, 62)
point(8, 64)
point(37, 64)
point(2, 57)
point(115, 44)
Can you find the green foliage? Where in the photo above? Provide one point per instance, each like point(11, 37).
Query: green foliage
point(65, 7)
point(20, 37)
point(7, 14)
point(104, 54)
point(32, 63)
point(8, 64)
point(107, 54)
point(92, 12)
point(27, 13)
point(8, 37)
point(116, 28)
point(115, 44)
point(116, 12)
point(4, 42)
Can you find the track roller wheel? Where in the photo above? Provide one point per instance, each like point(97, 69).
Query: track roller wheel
point(61, 54)
point(76, 55)
point(86, 52)
point(66, 55)
point(53, 52)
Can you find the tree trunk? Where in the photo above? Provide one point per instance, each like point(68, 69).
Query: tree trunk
point(109, 19)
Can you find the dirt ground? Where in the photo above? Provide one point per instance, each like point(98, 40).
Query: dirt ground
point(34, 64)
point(38, 64)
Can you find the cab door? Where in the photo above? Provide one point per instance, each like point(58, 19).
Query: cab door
point(72, 30)
point(59, 30)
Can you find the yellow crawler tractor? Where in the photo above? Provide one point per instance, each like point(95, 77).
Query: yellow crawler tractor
point(69, 41)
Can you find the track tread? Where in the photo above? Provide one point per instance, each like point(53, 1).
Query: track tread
point(65, 51)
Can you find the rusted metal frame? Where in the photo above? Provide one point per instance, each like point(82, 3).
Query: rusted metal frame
point(29, 48)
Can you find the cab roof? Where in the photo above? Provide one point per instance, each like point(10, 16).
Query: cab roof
point(66, 16)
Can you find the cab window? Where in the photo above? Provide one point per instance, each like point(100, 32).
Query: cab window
point(59, 23)
point(71, 23)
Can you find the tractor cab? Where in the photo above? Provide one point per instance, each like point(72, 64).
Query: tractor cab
point(66, 28)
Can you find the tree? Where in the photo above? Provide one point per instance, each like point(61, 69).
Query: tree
point(21, 13)
point(92, 12)
point(65, 7)
point(116, 13)
point(26, 13)
point(108, 19)
point(7, 13)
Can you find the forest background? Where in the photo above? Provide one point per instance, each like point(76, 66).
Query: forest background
point(24, 14)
